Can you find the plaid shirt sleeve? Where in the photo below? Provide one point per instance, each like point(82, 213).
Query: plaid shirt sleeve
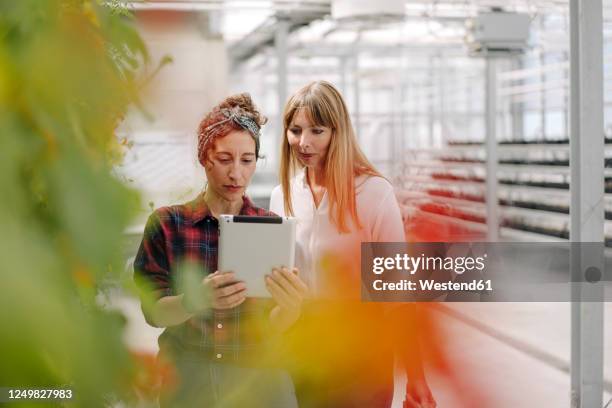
point(151, 266)
point(188, 231)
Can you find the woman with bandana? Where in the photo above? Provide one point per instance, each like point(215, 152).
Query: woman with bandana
point(221, 342)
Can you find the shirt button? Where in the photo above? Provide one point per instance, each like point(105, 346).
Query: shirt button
point(219, 326)
point(219, 355)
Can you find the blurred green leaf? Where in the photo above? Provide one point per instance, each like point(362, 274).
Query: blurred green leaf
point(69, 69)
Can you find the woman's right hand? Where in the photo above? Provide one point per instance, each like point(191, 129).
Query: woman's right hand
point(224, 290)
point(288, 291)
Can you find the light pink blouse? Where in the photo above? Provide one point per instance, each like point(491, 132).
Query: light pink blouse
point(326, 258)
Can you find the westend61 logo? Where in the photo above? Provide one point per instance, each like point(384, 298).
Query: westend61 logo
point(405, 263)
point(483, 271)
point(427, 270)
point(409, 272)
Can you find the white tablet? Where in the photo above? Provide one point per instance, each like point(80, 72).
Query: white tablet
point(251, 246)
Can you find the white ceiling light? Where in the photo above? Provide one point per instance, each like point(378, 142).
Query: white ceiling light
point(342, 9)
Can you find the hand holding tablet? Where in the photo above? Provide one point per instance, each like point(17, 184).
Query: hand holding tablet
point(219, 290)
point(252, 247)
point(289, 291)
point(226, 291)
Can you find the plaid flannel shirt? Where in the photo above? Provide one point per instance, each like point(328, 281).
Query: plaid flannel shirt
point(189, 232)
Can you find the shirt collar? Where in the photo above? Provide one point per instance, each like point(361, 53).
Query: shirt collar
point(302, 179)
point(247, 206)
point(199, 209)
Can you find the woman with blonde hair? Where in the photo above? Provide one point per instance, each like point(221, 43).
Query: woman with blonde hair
point(341, 201)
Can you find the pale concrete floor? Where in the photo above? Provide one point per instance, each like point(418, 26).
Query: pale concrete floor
point(515, 350)
point(499, 356)
point(542, 326)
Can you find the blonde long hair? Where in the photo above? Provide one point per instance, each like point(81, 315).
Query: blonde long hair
point(324, 106)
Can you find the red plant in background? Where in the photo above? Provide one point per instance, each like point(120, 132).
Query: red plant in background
point(154, 376)
point(428, 318)
point(347, 341)
point(435, 342)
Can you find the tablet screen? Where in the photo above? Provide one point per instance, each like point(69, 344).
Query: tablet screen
point(251, 246)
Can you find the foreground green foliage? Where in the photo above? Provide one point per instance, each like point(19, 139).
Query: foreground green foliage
point(67, 74)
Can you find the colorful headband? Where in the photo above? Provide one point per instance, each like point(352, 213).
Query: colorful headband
point(241, 120)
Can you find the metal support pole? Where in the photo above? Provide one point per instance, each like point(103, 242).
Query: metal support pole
point(491, 151)
point(517, 107)
point(356, 109)
point(429, 97)
point(280, 43)
point(542, 59)
point(393, 153)
point(566, 99)
point(403, 127)
point(507, 108)
point(587, 197)
point(343, 66)
point(441, 101)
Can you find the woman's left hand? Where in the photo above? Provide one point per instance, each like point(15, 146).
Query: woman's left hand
point(418, 395)
point(289, 291)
